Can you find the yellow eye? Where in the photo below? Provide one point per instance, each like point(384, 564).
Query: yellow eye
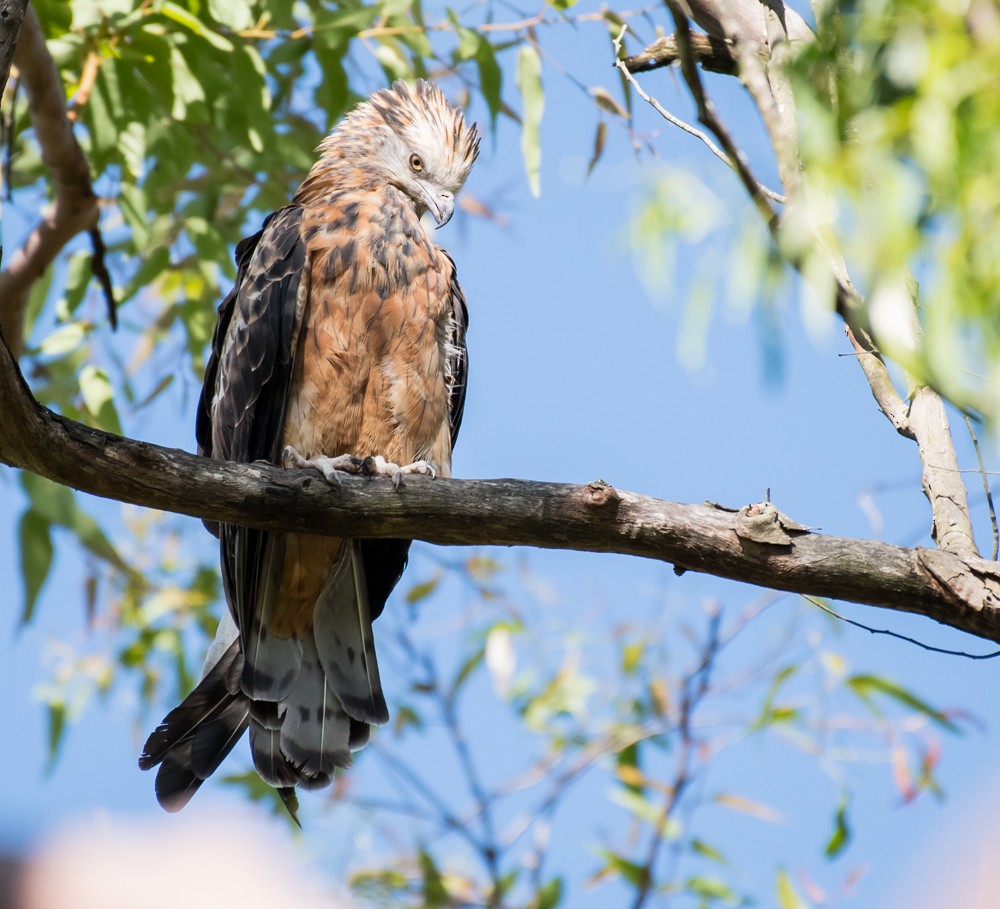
point(416, 164)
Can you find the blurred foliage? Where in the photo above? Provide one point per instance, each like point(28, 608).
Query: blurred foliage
point(617, 753)
point(898, 108)
point(200, 116)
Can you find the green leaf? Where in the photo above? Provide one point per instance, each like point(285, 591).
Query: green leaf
point(63, 339)
point(635, 874)
point(466, 670)
point(529, 82)
point(700, 847)
point(788, 897)
point(864, 686)
point(841, 832)
point(236, 14)
point(56, 713)
point(98, 398)
point(711, 888)
point(490, 79)
point(57, 505)
point(422, 590)
point(78, 275)
point(35, 537)
point(194, 25)
point(435, 893)
point(550, 895)
point(599, 139)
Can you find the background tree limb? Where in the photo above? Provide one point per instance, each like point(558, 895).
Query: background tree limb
point(74, 208)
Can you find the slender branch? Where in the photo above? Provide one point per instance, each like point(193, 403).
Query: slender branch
point(708, 118)
point(676, 121)
point(880, 382)
point(75, 207)
point(755, 544)
point(992, 655)
point(984, 473)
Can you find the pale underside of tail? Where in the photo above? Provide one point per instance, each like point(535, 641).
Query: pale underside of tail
point(308, 701)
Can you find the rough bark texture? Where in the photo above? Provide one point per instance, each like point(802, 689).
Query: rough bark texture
point(755, 544)
point(75, 206)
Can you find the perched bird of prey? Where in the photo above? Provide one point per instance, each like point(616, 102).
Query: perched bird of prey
point(340, 347)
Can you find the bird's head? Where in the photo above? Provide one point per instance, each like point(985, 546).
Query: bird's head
point(411, 137)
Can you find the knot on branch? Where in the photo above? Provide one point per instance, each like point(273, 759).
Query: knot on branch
point(763, 524)
point(600, 494)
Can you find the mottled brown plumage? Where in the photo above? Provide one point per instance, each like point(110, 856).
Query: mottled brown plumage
point(341, 345)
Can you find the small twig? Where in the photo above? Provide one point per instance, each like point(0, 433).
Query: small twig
point(88, 78)
point(902, 637)
point(99, 269)
point(986, 485)
point(696, 686)
point(676, 121)
point(708, 118)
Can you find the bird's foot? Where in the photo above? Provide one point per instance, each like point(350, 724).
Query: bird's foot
point(372, 466)
point(329, 467)
point(378, 466)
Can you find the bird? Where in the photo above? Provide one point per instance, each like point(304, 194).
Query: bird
point(340, 348)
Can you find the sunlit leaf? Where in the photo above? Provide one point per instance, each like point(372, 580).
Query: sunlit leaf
point(788, 896)
point(191, 22)
point(434, 891)
point(529, 82)
point(98, 398)
point(635, 874)
point(711, 888)
point(864, 686)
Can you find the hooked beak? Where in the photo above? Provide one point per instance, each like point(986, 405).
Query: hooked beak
point(440, 203)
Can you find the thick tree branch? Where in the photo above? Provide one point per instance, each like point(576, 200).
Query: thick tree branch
point(756, 544)
point(75, 206)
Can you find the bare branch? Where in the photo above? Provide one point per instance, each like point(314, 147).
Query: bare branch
point(880, 382)
point(712, 54)
point(756, 544)
point(676, 121)
point(75, 207)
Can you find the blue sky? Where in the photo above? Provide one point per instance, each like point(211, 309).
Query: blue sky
point(575, 375)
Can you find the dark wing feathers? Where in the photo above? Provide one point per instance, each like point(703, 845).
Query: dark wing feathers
point(458, 362)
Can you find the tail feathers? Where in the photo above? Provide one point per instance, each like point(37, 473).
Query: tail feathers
point(176, 782)
point(342, 628)
point(209, 698)
point(265, 746)
point(271, 663)
point(315, 731)
point(214, 739)
point(360, 733)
